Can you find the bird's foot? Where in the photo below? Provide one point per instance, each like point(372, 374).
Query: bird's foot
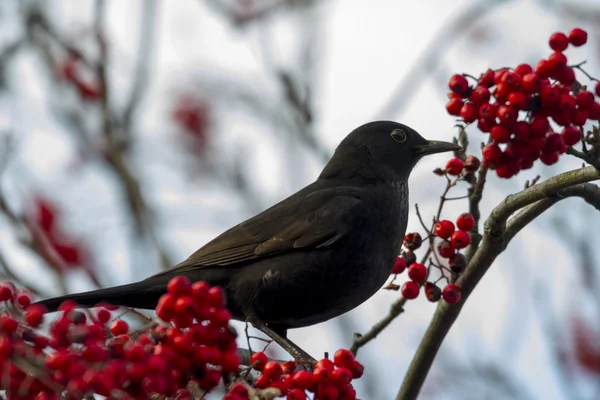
point(292, 348)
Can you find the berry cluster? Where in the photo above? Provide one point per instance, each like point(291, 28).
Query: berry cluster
point(330, 380)
point(86, 353)
point(418, 272)
point(529, 112)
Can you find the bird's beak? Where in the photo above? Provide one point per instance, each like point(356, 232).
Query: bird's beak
point(433, 147)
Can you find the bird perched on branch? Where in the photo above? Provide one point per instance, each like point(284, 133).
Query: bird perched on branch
point(313, 256)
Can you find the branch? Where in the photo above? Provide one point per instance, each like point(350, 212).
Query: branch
point(396, 309)
point(589, 192)
point(493, 243)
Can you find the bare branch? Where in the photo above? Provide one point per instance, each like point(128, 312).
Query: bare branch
point(396, 309)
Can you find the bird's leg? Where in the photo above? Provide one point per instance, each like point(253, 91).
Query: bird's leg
point(292, 348)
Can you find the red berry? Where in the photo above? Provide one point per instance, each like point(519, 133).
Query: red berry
point(6, 293)
point(488, 111)
point(8, 325)
point(554, 142)
point(594, 111)
point(454, 166)
point(451, 293)
point(565, 75)
point(518, 100)
point(512, 79)
point(578, 37)
point(579, 117)
point(531, 83)
point(549, 158)
point(119, 327)
point(550, 96)
point(567, 103)
point(410, 290)
point(472, 164)
point(259, 360)
point(179, 285)
point(304, 380)
point(468, 112)
point(24, 299)
point(458, 84)
point(487, 78)
point(103, 315)
point(444, 228)
point(558, 59)
point(445, 249)
point(346, 393)
point(500, 134)
point(539, 126)
point(343, 358)
point(34, 315)
point(465, 222)
point(523, 69)
point(507, 114)
point(484, 125)
point(325, 363)
point(521, 131)
point(558, 41)
point(417, 272)
point(597, 88)
point(584, 99)
point(501, 92)
point(480, 95)
point(322, 375)
point(399, 265)
point(571, 135)
point(327, 392)
point(357, 369)
point(454, 106)
point(499, 74)
point(341, 376)
point(544, 68)
point(296, 394)
point(460, 239)
point(272, 370)
point(432, 292)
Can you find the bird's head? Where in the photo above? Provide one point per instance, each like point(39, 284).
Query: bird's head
point(380, 149)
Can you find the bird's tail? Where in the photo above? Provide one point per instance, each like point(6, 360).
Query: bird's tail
point(137, 295)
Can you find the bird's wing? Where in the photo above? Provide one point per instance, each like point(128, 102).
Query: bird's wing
point(313, 220)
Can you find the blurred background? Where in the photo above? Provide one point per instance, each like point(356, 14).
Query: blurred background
point(133, 132)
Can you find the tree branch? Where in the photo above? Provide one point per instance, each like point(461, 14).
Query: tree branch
point(493, 243)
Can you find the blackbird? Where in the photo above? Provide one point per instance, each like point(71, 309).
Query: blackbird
point(313, 256)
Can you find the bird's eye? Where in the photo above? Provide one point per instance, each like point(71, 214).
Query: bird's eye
point(398, 135)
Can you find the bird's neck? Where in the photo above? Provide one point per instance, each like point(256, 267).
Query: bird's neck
point(359, 167)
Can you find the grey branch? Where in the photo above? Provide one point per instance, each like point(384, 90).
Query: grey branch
point(494, 241)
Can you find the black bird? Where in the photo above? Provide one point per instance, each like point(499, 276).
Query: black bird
point(315, 255)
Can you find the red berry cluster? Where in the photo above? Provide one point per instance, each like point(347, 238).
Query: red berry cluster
point(418, 272)
point(81, 355)
point(330, 380)
point(530, 112)
point(85, 353)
